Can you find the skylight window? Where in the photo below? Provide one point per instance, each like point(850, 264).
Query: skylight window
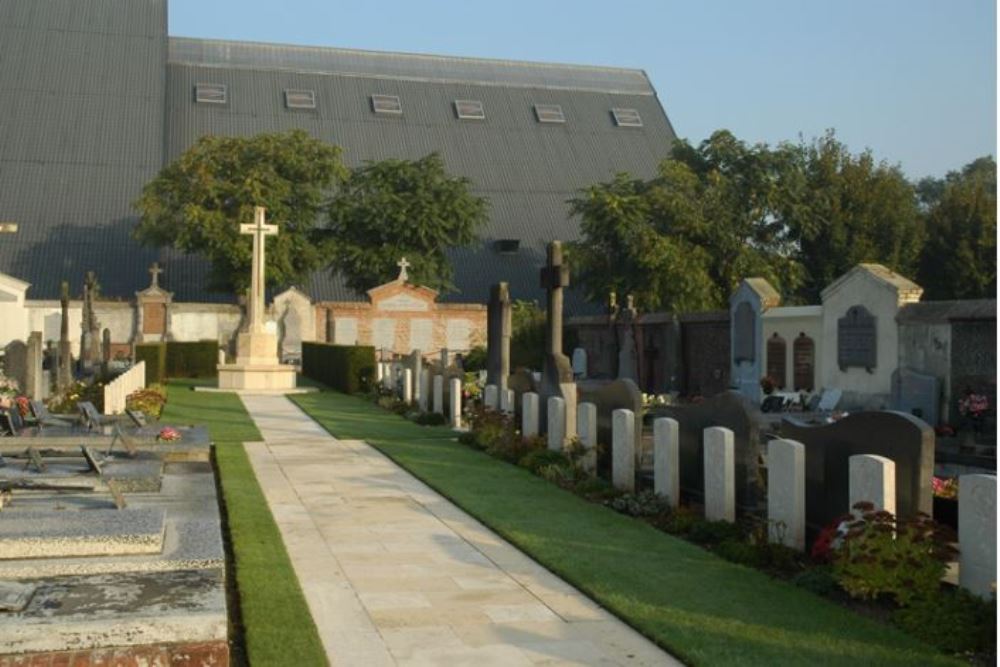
point(387, 104)
point(300, 99)
point(627, 117)
point(549, 113)
point(469, 110)
point(210, 93)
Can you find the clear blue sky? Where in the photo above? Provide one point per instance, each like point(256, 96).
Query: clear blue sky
point(913, 80)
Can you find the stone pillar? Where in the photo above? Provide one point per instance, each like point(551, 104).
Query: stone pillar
point(720, 475)
point(586, 428)
point(529, 414)
point(407, 386)
point(498, 332)
point(455, 400)
point(65, 374)
point(666, 460)
point(423, 398)
point(417, 366)
point(786, 493)
point(977, 534)
point(556, 411)
point(379, 371)
point(439, 394)
point(623, 449)
point(34, 378)
point(872, 479)
point(491, 397)
point(507, 398)
point(557, 374)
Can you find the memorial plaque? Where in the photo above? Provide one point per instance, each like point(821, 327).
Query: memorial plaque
point(744, 333)
point(154, 318)
point(804, 360)
point(856, 343)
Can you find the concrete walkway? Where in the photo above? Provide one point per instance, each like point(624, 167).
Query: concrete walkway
point(394, 574)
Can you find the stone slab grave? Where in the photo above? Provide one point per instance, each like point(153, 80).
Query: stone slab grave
point(729, 410)
point(54, 533)
point(905, 440)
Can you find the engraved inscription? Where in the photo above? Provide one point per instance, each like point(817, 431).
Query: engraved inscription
point(856, 341)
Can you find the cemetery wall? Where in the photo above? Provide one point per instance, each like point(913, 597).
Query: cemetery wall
point(458, 327)
point(926, 347)
point(118, 318)
point(973, 362)
point(204, 321)
point(46, 316)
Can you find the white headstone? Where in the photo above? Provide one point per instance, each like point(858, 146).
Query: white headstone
point(507, 398)
point(529, 414)
point(977, 534)
point(455, 401)
point(720, 474)
point(579, 363)
point(556, 416)
point(872, 479)
point(425, 389)
point(786, 493)
point(623, 449)
point(491, 397)
point(666, 459)
point(586, 428)
point(407, 386)
point(439, 394)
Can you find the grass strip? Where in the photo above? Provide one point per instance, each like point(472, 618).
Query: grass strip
point(278, 628)
point(699, 607)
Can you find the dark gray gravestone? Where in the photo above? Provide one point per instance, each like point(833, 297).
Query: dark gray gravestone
point(16, 362)
point(731, 410)
point(916, 394)
point(611, 396)
point(906, 440)
point(856, 339)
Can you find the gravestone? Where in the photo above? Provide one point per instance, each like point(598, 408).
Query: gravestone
point(455, 402)
point(608, 397)
point(786, 493)
point(290, 328)
point(153, 306)
point(64, 377)
point(557, 374)
point(720, 482)
point(916, 394)
point(871, 479)
point(666, 458)
point(407, 386)
point(623, 450)
point(829, 400)
point(579, 363)
point(735, 412)
point(439, 394)
point(747, 306)
point(16, 362)
point(899, 437)
point(529, 415)
point(508, 401)
point(491, 397)
point(977, 534)
point(586, 428)
point(35, 385)
point(423, 400)
point(498, 331)
point(556, 411)
point(415, 362)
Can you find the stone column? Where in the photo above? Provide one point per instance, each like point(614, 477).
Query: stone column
point(977, 534)
point(557, 373)
point(872, 479)
point(35, 380)
point(65, 373)
point(586, 428)
point(529, 414)
point(491, 397)
point(407, 386)
point(417, 366)
point(720, 475)
point(498, 331)
point(439, 394)
point(786, 493)
point(455, 399)
point(556, 411)
point(666, 459)
point(623, 449)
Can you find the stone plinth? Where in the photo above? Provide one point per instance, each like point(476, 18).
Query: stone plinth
point(246, 377)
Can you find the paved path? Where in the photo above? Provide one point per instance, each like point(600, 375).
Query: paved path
point(394, 574)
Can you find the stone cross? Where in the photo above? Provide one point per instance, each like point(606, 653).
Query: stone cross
point(403, 266)
point(498, 332)
point(259, 230)
point(154, 272)
point(557, 373)
point(64, 376)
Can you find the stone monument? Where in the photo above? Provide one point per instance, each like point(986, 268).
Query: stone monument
point(257, 367)
point(627, 358)
point(90, 338)
point(153, 306)
point(557, 373)
point(498, 331)
point(65, 373)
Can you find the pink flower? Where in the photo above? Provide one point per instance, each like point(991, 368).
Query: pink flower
point(168, 434)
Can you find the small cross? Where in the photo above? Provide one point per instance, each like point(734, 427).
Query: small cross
point(403, 266)
point(154, 272)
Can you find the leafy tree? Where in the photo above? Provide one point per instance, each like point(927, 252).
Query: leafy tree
point(400, 208)
point(959, 258)
point(196, 204)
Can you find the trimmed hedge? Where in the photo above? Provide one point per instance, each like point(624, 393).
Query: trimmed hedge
point(155, 356)
point(347, 368)
point(196, 359)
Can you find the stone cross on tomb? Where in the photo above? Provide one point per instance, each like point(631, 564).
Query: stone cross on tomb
point(403, 266)
point(154, 273)
point(255, 305)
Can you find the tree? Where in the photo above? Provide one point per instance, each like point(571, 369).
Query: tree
point(959, 258)
point(196, 204)
point(396, 208)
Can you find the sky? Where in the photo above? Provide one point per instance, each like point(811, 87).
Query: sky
point(914, 81)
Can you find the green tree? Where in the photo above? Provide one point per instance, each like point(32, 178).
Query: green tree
point(959, 260)
point(196, 204)
point(395, 208)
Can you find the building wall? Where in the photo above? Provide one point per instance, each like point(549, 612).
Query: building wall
point(204, 321)
point(789, 323)
point(459, 327)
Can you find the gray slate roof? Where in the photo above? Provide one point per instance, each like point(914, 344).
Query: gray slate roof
point(86, 142)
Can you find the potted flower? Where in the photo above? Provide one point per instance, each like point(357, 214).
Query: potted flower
point(945, 500)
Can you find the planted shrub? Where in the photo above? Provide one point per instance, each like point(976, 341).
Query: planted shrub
point(644, 503)
point(195, 359)
point(953, 620)
point(714, 532)
point(430, 419)
point(540, 458)
point(155, 356)
point(346, 368)
point(149, 401)
point(820, 580)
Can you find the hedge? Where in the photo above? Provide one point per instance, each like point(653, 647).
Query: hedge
point(155, 356)
point(347, 368)
point(192, 360)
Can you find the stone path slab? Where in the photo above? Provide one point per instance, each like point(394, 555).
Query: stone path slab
point(395, 574)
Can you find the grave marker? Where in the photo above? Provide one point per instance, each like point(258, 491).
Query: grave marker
point(873, 480)
point(786, 493)
point(623, 449)
point(666, 459)
point(529, 414)
point(977, 534)
point(720, 491)
point(556, 410)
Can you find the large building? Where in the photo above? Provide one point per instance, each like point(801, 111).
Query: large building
point(95, 98)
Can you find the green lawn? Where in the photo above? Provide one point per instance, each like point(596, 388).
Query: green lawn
point(277, 626)
point(701, 608)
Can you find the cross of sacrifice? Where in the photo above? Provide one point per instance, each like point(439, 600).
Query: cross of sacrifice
point(255, 306)
point(403, 266)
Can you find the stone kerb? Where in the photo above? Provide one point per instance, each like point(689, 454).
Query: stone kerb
point(786, 493)
point(872, 479)
point(720, 474)
point(556, 411)
point(439, 394)
point(666, 459)
point(455, 402)
point(977, 534)
point(529, 414)
point(586, 429)
point(491, 397)
point(623, 449)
